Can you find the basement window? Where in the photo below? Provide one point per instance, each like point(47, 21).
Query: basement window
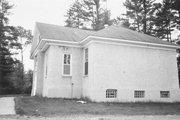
point(164, 94)
point(111, 93)
point(139, 94)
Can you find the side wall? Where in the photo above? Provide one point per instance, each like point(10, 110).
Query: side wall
point(38, 75)
point(129, 68)
point(87, 82)
point(57, 85)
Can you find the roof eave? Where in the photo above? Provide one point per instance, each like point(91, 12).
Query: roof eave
point(97, 38)
point(44, 42)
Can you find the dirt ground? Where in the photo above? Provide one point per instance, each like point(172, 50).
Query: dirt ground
point(94, 117)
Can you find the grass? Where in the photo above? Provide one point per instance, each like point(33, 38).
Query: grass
point(36, 106)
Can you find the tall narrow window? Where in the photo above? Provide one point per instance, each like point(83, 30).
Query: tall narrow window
point(86, 62)
point(67, 64)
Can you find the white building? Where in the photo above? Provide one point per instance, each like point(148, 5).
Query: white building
point(113, 64)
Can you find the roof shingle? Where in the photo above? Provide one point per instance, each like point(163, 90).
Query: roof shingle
point(49, 31)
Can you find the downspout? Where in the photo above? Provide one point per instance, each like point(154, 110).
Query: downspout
point(72, 84)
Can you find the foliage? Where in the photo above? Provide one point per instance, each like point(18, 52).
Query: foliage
point(123, 22)
point(8, 41)
point(13, 83)
point(23, 33)
point(176, 6)
point(11, 69)
point(140, 13)
point(166, 19)
point(150, 17)
point(74, 15)
point(85, 12)
point(28, 78)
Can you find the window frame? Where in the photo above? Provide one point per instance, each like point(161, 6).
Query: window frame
point(111, 93)
point(64, 64)
point(139, 95)
point(162, 93)
point(86, 60)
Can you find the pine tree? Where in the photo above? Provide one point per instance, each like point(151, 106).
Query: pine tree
point(87, 12)
point(74, 15)
point(140, 12)
point(8, 41)
point(165, 19)
point(122, 22)
point(176, 5)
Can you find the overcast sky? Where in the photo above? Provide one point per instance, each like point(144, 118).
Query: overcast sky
point(27, 12)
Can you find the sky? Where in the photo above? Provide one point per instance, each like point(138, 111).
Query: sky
point(26, 13)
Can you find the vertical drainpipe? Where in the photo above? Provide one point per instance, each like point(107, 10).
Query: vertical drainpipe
point(72, 84)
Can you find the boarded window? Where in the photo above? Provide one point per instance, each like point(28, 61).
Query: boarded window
point(164, 94)
point(86, 62)
point(111, 93)
point(139, 94)
point(67, 64)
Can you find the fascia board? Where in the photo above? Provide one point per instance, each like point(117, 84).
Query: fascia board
point(113, 40)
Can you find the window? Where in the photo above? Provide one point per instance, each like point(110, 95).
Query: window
point(164, 94)
point(86, 61)
point(67, 64)
point(139, 94)
point(111, 93)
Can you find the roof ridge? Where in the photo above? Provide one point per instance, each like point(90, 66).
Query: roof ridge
point(52, 31)
point(70, 28)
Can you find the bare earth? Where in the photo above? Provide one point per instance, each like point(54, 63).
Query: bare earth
point(94, 117)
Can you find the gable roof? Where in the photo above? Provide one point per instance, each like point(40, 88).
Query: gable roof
point(55, 32)
point(118, 32)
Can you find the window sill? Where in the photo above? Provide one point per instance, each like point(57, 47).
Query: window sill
point(85, 76)
point(68, 76)
point(111, 98)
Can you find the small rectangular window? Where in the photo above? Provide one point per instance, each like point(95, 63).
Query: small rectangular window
point(111, 93)
point(164, 94)
point(139, 94)
point(86, 61)
point(67, 64)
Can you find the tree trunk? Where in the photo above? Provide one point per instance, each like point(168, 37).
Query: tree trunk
point(144, 19)
point(97, 14)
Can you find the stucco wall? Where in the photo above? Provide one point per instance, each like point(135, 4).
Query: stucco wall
point(34, 82)
point(87, 82)
point(58, 85)
point(46, 66)
point(39, 74)
point(133, 68)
